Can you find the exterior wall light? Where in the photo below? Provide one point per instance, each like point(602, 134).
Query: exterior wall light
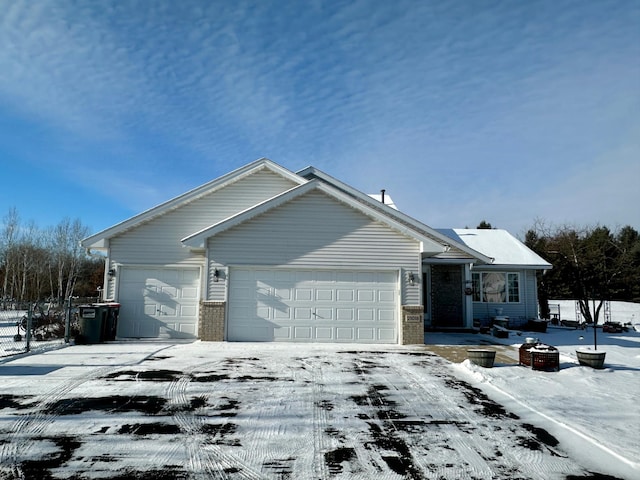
point(468, 287)
point(111, 272)
point(216, 275)
point(412, 278)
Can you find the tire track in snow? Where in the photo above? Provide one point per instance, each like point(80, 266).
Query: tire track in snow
point(205, 460)
point(449, 432)
point(384, 421)
point(318, 418)
point(331, 449)
point(273, 440)
point(539, 461)
point(22, 433)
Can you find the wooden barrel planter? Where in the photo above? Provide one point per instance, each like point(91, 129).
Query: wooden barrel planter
point(482, 357)
point(591, 358)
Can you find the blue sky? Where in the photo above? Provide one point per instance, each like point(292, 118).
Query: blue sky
point(462, 110)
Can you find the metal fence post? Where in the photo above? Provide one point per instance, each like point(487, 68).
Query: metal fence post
point(29, 323)
point(67, 322)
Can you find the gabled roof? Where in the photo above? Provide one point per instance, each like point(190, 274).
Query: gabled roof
point(100, 239)
point(452, 244)
point(198, 239)
point(504, 248)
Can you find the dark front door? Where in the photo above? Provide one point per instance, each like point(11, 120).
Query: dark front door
point(446, 296)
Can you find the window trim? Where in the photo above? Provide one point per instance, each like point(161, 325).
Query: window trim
point(511, 279)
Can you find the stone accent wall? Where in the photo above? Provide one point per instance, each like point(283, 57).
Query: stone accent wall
point(211, 321)
point(412, 325)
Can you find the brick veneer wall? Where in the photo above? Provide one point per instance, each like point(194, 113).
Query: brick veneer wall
point(211, 321)
point(412, 325)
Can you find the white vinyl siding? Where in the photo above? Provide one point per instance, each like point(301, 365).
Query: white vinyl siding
point(316, 230)
point(158, 241)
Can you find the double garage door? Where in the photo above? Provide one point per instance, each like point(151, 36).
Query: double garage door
point(312, 306)
point(158, 302)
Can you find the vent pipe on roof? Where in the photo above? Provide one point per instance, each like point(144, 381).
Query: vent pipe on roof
point(382, 194)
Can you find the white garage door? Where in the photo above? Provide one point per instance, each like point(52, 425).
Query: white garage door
point(312, 306)
point(158, 302)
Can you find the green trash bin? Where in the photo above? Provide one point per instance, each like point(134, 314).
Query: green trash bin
point(92, 323)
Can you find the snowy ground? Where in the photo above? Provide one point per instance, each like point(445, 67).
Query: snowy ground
point(234, 410)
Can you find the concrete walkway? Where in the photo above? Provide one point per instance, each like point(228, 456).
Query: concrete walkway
point(454, 347)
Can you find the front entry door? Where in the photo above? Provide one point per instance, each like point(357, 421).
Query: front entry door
point(446, 296)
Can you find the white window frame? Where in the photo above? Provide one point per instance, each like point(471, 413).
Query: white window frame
point(501, 290)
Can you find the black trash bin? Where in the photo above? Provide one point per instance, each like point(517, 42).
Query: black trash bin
point(111, 323)
point(98, 322)
point(92, 323)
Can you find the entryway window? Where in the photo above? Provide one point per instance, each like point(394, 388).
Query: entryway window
point(496, 287)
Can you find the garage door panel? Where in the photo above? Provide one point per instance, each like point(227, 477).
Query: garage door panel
point(302, 275)
point(344, 314)
point(324, 313)
point(343, 295)
point(263, 312)
point(282, 314)
point(251, 333)
point(324, 334)
point(283, 293)
point(366, 315)
point(386, 315)
point(303, 314)
point(345, 277)
point(190, 293)
point(386, 296)
point(366, 334)
point(386, 335)
point(345, 334)
point(366, 277)
point(302, 333)
point(324, 295)
point(158, 302)
point(312, 305)
point(303, 294)
point(366, 295)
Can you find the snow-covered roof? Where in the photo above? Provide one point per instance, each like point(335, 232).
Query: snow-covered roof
point(504, 248)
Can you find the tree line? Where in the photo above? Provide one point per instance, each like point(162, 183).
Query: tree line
point(590, 265)
point(45, 264)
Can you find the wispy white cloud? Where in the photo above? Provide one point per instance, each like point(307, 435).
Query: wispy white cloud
point(461, 110)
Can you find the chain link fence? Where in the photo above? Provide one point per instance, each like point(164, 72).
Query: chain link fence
point(36, 326)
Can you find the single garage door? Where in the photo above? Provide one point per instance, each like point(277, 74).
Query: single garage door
point(312, 306)
point(158, 302)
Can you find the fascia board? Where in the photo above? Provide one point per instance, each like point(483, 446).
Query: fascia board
point(509, 266)
point(198, 239)
point(94, 240)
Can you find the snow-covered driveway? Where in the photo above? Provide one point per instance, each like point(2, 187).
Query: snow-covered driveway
point(252, 411)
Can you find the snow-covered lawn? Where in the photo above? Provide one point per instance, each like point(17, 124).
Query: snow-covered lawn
point(594, 413)
point(245, 410)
